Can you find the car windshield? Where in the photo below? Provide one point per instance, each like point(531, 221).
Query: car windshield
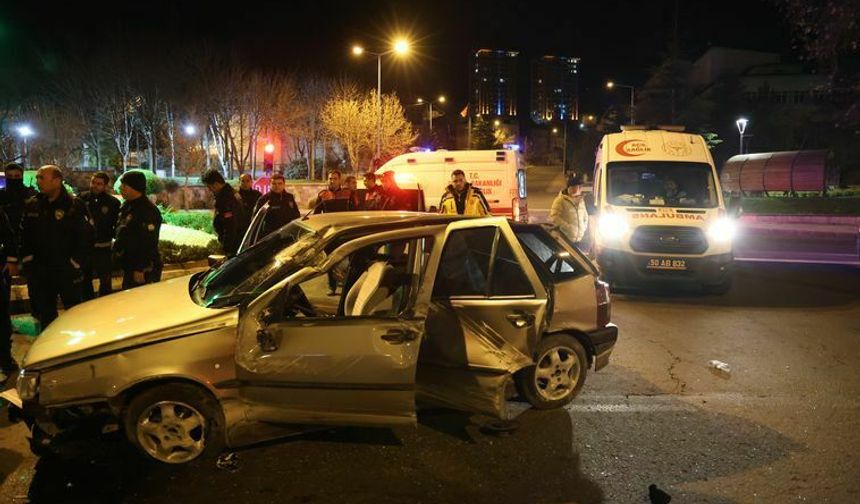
point(661, 184)
point(259, 267)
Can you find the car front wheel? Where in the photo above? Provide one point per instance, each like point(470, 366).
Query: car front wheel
point(175, 423)
point(557, 376)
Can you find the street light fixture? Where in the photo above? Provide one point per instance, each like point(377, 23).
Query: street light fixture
point(25, 132)
point(613, 85)
point(497, 123)
point(420, 101)
point(190, 129)
point(400, 47)
point(741, 123)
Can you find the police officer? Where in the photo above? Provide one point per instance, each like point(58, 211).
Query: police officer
point(282, 206)
point(230, 221)
point(250, 196)
point(7, 247)
point(104, 210)
point(137, 233)
point(12, 199)
point(56, 239)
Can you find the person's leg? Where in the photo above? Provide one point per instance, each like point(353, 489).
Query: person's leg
point(87, 292)
point(47, 291)
point(70, 291)
point(103, 268)
point(7, 364)
point(128, 280)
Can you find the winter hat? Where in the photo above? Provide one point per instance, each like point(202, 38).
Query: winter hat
point(135, 180)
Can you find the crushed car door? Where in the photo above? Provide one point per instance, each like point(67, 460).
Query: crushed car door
point(352, 366)
point(487, 313)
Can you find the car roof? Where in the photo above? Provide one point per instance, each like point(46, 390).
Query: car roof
point(397, 219)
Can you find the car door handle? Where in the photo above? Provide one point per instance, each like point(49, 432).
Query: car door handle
point(521, 320)
point(398, 336)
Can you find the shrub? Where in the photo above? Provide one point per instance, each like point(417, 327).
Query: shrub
point(154, 184)
point(178, 244)
point(189, 219)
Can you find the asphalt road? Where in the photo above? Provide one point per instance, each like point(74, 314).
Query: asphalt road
point(781, 427)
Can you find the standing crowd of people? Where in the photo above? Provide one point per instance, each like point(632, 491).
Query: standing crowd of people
point(59, 242)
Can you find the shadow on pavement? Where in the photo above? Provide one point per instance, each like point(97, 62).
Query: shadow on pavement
point(768, 285)
point(670, 440)
point(536, 463)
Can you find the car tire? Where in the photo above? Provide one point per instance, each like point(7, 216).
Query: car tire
point(175, 423)
point(558, 375)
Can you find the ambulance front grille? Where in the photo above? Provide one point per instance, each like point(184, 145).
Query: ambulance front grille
point(669, 240)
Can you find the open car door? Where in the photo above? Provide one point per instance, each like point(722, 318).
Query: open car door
point(306, 357)
point(487, 312)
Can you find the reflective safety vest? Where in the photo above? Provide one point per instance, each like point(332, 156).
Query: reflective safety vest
point(472, 200)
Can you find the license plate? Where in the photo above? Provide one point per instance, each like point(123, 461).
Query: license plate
point(657, 263)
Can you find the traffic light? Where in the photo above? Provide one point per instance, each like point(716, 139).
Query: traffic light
point(269, 157)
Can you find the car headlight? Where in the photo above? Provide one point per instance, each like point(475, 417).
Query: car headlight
point(722, 230)
point(27, 385)
point(612, 226)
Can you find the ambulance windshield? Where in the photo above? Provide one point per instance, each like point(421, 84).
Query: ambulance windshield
point(661, 184)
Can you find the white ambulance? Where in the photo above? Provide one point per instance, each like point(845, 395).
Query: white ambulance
point(500, 174)
point(660, 211)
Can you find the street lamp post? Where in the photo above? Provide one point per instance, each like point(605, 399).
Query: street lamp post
point(25, 132)
point(612, 85)
point(420, 101)
point(400, 46)
point(741, 123)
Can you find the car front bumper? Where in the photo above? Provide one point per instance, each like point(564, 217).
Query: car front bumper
point(625, 268)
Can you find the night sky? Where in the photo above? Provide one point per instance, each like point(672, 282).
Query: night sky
point(619, 40)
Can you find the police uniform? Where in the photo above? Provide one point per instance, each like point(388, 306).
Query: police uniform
point(56, 239)
point(282, 210)
point(104, 210)
point(342, 193)
point(230, 221)
point(250, 197)
point(136, 245)
point(469, 201)
point(7, 247)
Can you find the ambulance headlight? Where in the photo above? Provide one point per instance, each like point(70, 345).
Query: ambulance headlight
point(722, 230)
point(27, 385)
point(612, 226)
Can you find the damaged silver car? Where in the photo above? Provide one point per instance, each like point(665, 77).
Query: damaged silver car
point(337, 319)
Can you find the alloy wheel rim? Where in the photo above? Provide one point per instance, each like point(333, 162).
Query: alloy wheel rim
point(557, 373)
point(172, 432)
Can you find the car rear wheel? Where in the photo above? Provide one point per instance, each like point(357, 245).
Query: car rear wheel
point(558, 375)
point(175, 423)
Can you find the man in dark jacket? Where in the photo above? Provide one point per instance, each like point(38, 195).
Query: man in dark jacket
point(7, 247)
point(104, 210)
point(395, 198)
point(249, 195)
point(56, 239)
point(137, 233)
point(12, 199)
point(230, 221)
point(282, 206)
point(373, 199)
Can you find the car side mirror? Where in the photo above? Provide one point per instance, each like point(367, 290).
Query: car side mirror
point(216, 260)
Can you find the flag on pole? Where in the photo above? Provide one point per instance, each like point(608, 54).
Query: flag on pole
point(465, 112)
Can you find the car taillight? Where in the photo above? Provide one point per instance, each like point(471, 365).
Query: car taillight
point(604, 305)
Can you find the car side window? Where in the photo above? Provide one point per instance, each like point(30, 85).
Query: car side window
point(465, 265)
point(374, 281)
point(550, 255)
point(508, 277)
point(469, 268)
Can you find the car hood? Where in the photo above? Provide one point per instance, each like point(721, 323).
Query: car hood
point(151, 312)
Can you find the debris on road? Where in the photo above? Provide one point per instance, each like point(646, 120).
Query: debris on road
point(720, 368)
point(657, 496)
point(228, 462)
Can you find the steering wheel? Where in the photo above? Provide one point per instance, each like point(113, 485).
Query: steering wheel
point(297, 303)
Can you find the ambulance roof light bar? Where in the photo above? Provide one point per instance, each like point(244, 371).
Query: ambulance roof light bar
point(644, 127)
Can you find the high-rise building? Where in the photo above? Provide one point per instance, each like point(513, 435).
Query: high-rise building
point(554, 89)
point(493, 83)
